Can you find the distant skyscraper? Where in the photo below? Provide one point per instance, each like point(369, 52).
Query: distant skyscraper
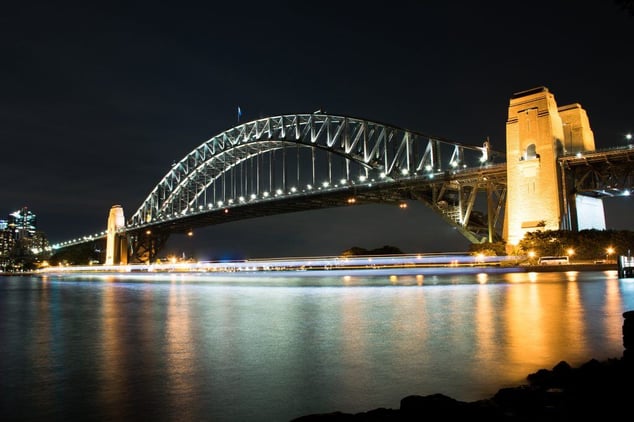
point(22, 223)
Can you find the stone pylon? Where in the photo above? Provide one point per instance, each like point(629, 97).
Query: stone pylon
point(116, 242)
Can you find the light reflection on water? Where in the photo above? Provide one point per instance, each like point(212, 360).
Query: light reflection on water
point(255, 348)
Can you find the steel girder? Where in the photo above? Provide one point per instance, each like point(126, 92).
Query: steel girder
point(599, 173)
point(379, 150)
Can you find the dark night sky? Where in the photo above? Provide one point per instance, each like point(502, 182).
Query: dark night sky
point(99, 98)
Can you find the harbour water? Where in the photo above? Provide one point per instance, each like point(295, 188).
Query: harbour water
point(272, 348)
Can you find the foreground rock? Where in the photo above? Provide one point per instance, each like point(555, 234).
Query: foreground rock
point(593, 390)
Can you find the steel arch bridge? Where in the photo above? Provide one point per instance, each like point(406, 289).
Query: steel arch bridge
point(298, 162)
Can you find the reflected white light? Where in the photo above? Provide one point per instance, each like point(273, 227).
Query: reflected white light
point(626, 192)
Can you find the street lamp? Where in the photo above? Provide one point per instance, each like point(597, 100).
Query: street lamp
point(570, 252)
point(609, 251)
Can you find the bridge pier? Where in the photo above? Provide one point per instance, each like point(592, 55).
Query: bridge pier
point(538, 132)
point(116, 242)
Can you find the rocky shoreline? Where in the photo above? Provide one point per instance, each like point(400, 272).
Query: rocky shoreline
point(602, 389)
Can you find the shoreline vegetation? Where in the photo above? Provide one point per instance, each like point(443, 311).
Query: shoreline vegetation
point(596, 389)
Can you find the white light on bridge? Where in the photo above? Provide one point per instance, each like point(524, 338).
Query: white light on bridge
point(220, 203)
point(241, 199)
point(626, 192)
point(428, 167)
point(278, 192)
point(253, 196)
point(362, 178)
point(309, 187)
point(265, 194)
point(293, 189)
point(405, 172)
point(325, 184)
point(454, 164)
point(382, 175)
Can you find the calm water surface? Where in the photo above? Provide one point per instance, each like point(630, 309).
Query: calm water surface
point(273, 348)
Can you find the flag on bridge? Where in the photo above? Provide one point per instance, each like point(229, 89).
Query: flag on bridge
point(239, 113)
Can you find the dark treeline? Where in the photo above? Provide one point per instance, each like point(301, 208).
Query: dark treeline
point(581, 245)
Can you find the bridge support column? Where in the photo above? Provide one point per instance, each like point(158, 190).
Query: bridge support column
point(537, 133)
point(116, 243)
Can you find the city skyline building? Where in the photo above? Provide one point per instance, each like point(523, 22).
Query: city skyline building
point(20, 241)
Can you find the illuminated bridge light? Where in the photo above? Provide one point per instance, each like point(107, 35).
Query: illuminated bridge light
point(382, 175)
point(405, 172)
point(454, 164)
point(309, 187)
point(253, 196)
point(278, 192)
point(265, 194)
point(293, 189)
point(626, 192)
point(325, 184)
point(230, 201)
point(428, 167)
point(220, 203)
point(343, 181)
point(241, 199)
point(362, 178)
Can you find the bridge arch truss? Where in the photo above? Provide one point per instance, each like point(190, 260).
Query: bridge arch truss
point(300, 155)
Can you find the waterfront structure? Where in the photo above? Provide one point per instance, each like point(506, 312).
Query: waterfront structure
point(550, 178)
point(538, 132)
point(116, 243)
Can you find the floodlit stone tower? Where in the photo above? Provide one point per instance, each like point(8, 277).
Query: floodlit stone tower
point(116, 244)
point(537, 133)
